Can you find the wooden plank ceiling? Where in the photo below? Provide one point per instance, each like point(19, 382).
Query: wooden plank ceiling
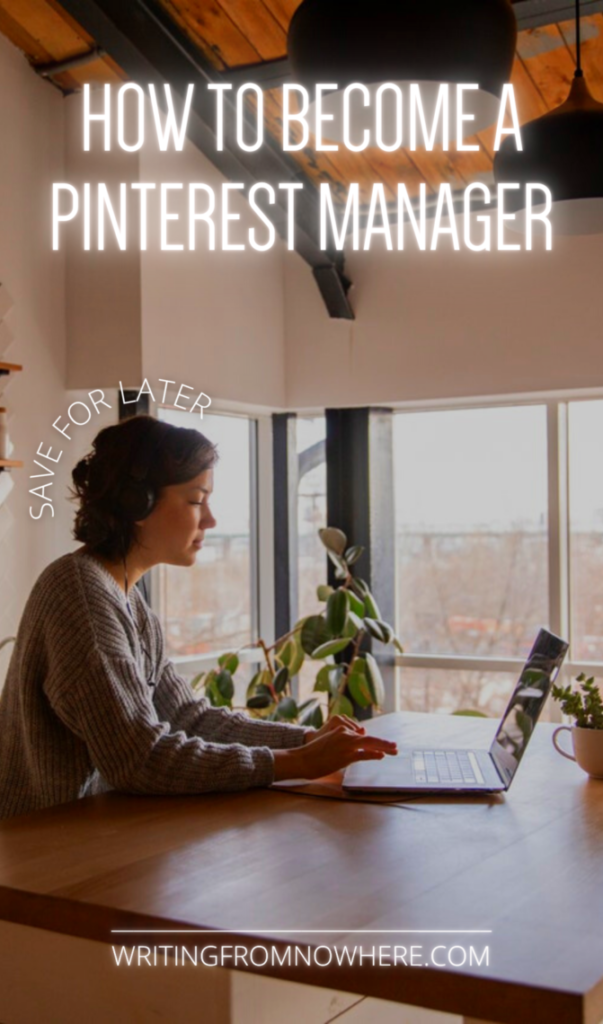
point(232, 33)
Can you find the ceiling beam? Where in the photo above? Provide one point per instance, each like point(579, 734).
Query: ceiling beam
point(534, 13)
point(56, 67)
point(150, 48)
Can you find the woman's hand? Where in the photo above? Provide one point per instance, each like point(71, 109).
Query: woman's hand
point(329, 751)
point(333, 723)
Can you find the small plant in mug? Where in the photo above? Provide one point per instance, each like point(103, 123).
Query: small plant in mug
point(350, 615)
point(584, 705)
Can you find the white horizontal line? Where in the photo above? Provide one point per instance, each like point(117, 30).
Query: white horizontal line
point(303, 931)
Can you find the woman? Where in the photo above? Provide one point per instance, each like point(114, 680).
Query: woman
point(91, 702)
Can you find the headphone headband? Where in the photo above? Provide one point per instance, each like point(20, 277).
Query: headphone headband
point(137, 498)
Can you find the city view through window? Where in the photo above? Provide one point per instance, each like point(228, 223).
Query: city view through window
point(471, 546)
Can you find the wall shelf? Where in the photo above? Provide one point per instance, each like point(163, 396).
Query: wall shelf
point(10, 367)
point(6, 368)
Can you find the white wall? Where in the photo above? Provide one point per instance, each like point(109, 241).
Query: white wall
point(103, 300)
point(32, 117)
point(32, 157)
point(212, 320)
point(448, 324)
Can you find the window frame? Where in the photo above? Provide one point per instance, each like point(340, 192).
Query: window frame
point(261, 527)
point(559, 540)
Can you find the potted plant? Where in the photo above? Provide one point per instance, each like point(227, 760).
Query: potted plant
point(585, 706)
point(332, 638)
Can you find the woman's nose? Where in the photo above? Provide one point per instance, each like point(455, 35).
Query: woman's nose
point(208, 520)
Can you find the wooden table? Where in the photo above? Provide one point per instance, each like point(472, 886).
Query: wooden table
point(527, 866)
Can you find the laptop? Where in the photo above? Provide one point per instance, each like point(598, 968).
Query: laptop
point(425, 769)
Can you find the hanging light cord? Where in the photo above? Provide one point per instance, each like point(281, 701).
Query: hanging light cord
point(578, 72)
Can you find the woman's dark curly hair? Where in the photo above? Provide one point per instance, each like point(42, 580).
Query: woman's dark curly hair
point(139, 452)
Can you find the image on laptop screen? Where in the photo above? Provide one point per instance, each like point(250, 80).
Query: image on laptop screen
point(529, 696)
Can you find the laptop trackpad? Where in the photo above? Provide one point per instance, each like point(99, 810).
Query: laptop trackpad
point(391, 773)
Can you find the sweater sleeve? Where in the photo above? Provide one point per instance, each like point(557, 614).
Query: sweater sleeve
point(108, 705)
point(177, 703)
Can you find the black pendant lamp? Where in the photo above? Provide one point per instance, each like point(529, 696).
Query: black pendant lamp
point(564, 151)
point(453, 41)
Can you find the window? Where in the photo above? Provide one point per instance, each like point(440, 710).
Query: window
point(311, 509)
point(471, 515)
point(311, 517)
point(586, 530)
point(212, 606)
point(499, 522)
point(472, 549)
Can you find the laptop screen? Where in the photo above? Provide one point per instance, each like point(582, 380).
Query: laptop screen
point(526, 703)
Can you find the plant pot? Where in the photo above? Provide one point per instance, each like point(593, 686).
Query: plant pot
point(588, 748)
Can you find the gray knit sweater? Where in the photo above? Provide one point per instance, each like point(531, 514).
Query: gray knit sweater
point(91, 703)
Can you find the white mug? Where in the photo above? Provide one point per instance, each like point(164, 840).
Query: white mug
point(588, 748)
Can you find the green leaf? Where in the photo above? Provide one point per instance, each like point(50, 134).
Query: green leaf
point(375, 629)
point(358, 685)
point(330, 648)
point(314, 633)
point(356, 621)
point(212, 691)
point(197, 682)
point(333, 539)
point(310, 702)
point(261, 701)
point(281, 679)
point(337, 612)
point(328, 680)
point(353, 554)
point(341, 706)
point(286, 708)
point(350, 629)
point(360, 587)
point(375, 680)
point(372, 608)
point(356, 604)
point(335, 674)
point(306, 711)
point(323, 592)
point(321, 683)
point(315, 719)
point(209, 683)
point(341, 569)
point(388, 631)
point(230, 662)
point(225, 685)
point(260, 679)
point(291, 655)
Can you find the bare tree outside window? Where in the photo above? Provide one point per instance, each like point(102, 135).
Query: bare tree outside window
point(472, 562)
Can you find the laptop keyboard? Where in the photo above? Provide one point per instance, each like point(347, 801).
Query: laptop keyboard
point(451, 767)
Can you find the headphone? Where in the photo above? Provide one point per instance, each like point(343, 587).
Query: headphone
point(137, 497)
